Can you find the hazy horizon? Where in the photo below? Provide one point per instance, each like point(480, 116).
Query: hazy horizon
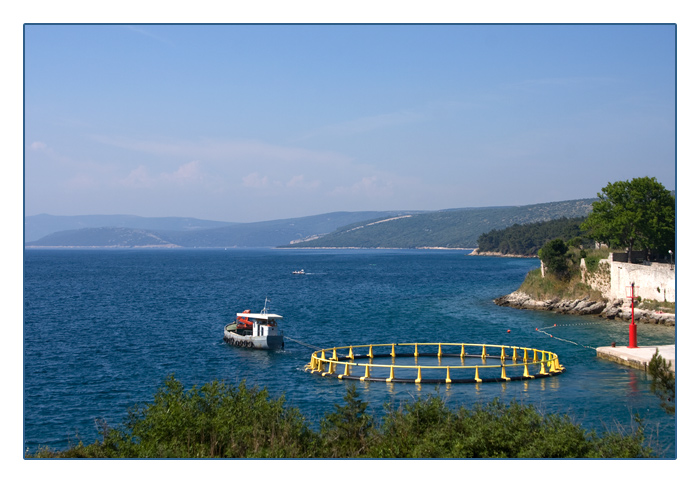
point(307, 215)
point(244, 123)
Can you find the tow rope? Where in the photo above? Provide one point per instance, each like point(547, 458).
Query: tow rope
point(564, 340)
point(303, 343)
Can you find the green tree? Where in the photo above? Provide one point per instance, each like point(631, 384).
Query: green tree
point(663, 382)
point(553, 255)
point(216, 420)
point(427, 428)
point(348, 432)
point(634, 214)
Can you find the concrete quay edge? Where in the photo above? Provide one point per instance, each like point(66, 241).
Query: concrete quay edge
point(638, 358)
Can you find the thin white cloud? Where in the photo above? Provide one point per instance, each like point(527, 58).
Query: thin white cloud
point(41, 150)
point(548, 82)
point(254, 180)
point(147, 33)
point(81, 182)
point(299, 181)
point(222, 150)
point(368, 186)
point(187, 174)
point(138, 178)
point(368, 123)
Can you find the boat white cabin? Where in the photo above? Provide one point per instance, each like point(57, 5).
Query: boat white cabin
point(257, 331)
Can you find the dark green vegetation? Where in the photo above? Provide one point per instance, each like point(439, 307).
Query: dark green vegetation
point(554, 255)
point(637, 214)
point(663, 382)
point(526, 240)
point(217, 420)
point(449, 229)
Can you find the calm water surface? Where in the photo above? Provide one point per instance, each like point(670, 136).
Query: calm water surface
point(104, 328)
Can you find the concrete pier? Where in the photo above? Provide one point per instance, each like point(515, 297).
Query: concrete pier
point(638, 358)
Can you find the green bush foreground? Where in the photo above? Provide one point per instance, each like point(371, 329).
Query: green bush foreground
point(218, 420)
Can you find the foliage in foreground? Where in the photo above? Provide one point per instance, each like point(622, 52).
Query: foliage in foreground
point(663, 382)
point(220, 420)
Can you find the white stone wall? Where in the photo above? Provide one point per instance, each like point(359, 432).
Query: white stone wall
point(598, 280)
point(656, 281)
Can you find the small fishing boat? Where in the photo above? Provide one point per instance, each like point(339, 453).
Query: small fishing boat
point(255, 331)
point(299, 272)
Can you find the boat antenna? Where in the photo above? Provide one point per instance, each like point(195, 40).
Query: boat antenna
point(264, 310)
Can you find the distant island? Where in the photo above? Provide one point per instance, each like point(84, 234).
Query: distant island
point(458, 228)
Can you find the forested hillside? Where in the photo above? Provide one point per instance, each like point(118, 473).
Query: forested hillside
point(459, 228)
point(526, 239)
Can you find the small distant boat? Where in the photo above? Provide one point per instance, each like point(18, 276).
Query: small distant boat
point(255, 331)
point(299, 272)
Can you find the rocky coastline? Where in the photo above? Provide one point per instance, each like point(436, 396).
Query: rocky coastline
point(476, 252)
point(617, 309)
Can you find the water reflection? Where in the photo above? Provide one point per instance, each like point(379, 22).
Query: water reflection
point(633, 382)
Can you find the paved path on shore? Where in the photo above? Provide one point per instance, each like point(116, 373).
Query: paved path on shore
point(639, 357)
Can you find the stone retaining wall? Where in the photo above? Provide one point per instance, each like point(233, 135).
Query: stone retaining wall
point(652, 281)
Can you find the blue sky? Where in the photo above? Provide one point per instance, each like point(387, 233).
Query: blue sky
point(258, 122)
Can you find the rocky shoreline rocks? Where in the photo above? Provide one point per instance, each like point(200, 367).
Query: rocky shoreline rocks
point(617, 309)
point(476, 252)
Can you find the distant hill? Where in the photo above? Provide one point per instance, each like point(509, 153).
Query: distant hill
point(134, 231)
point(103, 237)
point(456, 228)
point(38, 226)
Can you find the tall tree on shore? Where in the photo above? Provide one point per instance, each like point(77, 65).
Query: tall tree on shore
point(633, 214)
point(553, 255)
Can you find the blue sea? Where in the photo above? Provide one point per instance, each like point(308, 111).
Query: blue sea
point(104, 328)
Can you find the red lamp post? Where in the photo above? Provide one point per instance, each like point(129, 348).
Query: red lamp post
point(633, 326)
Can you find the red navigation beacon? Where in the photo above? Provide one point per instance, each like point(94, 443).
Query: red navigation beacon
point(633, 326)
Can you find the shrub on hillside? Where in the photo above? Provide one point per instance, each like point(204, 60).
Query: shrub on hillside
point(554, 256)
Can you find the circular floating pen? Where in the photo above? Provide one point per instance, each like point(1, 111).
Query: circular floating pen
point(434, 363)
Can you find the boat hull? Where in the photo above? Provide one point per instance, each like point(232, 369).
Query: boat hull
point(270, 342)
